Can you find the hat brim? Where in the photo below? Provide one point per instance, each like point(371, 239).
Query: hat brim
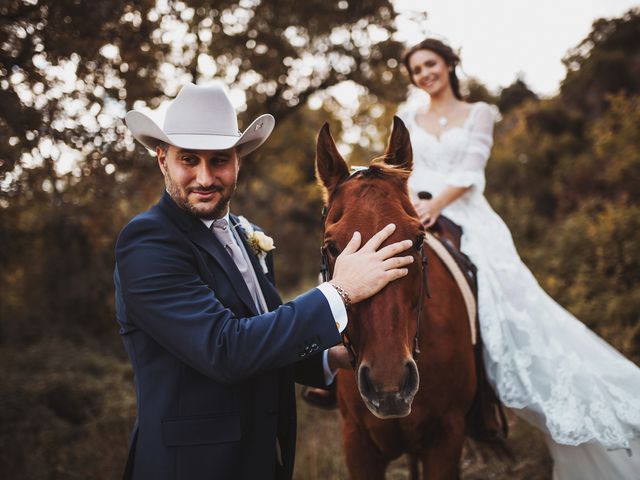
point(145, 130)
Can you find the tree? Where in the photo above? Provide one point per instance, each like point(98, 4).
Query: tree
point(515, 94)
point(476, 91)
point(66, 61)
point(607, 61)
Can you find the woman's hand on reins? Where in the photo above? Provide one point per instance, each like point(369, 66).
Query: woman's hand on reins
point(363, 272)
point(428, 211)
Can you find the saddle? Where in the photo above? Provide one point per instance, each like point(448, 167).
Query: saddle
point(486, 420)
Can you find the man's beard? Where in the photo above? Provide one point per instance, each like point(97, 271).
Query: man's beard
point(181, 197)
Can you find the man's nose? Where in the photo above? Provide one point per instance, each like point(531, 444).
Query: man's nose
point(205, 175)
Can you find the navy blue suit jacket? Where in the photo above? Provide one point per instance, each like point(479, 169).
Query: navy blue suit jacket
point(214, 379)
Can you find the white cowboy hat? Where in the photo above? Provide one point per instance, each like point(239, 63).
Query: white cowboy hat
point(200, 118)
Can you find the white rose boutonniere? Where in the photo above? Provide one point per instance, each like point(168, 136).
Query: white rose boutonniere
point(259, 242)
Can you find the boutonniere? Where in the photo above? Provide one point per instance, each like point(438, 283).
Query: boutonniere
point(260, 243)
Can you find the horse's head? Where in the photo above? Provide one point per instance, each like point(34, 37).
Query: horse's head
point(381, 329)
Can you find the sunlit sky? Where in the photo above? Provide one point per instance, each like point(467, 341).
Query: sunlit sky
point(500, 38)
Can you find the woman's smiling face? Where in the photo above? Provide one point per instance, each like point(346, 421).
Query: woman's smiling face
point(429, 71)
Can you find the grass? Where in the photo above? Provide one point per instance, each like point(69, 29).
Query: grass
point(66, 412)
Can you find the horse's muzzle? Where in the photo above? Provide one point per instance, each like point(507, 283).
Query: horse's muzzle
point(389, 403)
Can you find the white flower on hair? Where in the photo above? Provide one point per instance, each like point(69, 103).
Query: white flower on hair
point(259, 242)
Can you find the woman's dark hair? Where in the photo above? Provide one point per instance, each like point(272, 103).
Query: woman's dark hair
point(440, 48)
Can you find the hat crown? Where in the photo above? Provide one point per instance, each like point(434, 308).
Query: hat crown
point(200, 118)
point(201, 110)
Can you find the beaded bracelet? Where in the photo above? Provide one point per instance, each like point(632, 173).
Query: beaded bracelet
point(343, 294)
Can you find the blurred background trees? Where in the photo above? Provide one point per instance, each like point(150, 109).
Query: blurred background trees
point(564, 174)
point(71, 173)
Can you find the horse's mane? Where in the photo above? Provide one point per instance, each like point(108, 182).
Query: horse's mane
point(379, 168)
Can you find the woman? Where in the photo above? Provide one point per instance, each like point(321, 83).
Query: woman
point(544, 363)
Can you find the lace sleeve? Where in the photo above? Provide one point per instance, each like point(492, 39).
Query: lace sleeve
point(470, 171)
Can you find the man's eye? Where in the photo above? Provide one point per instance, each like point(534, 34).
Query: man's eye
point(189, 159)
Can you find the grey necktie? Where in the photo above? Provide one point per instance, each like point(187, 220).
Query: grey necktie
point(223, 231)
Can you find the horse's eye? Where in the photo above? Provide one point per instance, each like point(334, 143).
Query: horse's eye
point(332, 249)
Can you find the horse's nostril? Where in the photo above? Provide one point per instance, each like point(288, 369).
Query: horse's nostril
point(364, 382)
point(411, 380)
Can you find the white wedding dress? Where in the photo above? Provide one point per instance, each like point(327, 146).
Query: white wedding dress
point(544, 363)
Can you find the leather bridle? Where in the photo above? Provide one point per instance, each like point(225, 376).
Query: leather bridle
point(424, 291)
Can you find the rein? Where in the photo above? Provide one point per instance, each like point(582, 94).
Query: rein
point(424, 293)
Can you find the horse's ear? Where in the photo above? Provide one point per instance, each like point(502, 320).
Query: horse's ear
point(399, 151)
point(331, 167)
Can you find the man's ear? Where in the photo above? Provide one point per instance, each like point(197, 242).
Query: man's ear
point(331, 167)
point(399, 152)
point(238, 160)
point(161, 153)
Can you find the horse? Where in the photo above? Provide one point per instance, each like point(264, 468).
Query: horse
point(410, 344)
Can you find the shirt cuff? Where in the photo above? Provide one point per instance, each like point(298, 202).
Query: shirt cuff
point(328, 374)
point(338, 310)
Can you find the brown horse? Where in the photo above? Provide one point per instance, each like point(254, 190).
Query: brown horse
point(385, 413)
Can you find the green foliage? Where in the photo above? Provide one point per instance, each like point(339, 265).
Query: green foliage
point(593, 265)
point(475, 91)
point(42, 39)
point(564, 175)
point(515, 94)
point(604, 62)
point(67, 416)
point(567, 187)
point(615, 139)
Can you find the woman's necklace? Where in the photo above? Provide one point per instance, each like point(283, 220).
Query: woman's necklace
point(441, 118)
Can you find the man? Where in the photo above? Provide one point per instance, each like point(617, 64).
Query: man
point(214, 352)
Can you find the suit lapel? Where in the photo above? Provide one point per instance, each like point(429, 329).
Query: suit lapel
point(202, 236)
point(199, 234)
point(268, 290)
